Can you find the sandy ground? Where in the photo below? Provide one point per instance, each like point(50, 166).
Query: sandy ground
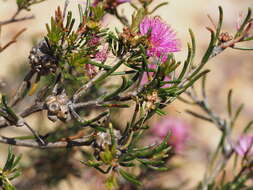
point(232, 69)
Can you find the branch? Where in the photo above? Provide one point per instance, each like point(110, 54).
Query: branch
point(14, 18)
point(226, 142)
point(89, 103)
point(85, 141)
point(130, 95)
point(33, 109)
point(13, 40)
point(122, 19)
point(202, 104)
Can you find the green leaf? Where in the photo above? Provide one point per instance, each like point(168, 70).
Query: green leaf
point(245, 22)
point(98, 12)
point(16, 174)
point(151, 162)
point(16, 161)
point(193, 46)
point(136, 20)
point(240, 48)
point(127, 164)
point(109, 72)
point(160, 112)
point(229, 103)
point(158, 149)
point(156, 168)
point(206, 56)
point(218, 29)
point(193, 80)
point(129, 177)
point(237, 113)
point(9, 161)
point(117, 91)
point(106, 156)
point(159, 6)
point(111, 182)
point(248, 127)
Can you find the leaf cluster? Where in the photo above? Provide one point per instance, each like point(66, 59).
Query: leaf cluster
point(10, 171)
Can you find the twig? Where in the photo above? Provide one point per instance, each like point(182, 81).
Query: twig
point(218, 49)
point(129, 96)
point(21, 89)
point(40, 141)
point(33, 109)
point(220, 123)
point(85, 141)
point(27, 112)
point(223, 126)
point(13, 40)
point(199, 116)
point(85, 104)
point(13, 20)
point(122, 19)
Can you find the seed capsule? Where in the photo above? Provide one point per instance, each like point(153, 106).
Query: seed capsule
point(40, 59)
point(57, 107)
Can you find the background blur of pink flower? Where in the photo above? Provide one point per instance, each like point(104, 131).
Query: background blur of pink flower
point(244, 145)
point(179, 132)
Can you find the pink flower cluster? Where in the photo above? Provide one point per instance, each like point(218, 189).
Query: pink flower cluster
point(162, 39)
point(94, 41)
point(179, 132)
point(90, 70)
point(102, 54)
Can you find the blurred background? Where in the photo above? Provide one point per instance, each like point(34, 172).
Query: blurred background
point(232, 69)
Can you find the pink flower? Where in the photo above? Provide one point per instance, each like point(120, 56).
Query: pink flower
point(162, 39)
point(90, 70)
point(145, 79)
point(94, 41)
point(102, 54)
point(177, 128)
point(95, 2)
point(244, 145)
